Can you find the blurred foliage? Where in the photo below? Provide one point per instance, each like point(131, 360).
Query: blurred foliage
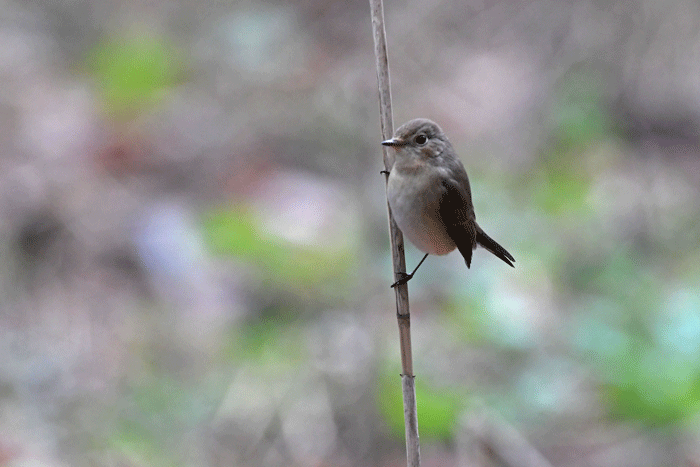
point(648, 359)
point(579, 114)
point(438, 407)
point(275, 341)
point(154, 413)
point(465, 316)
point(133, 73)
point(300, 269)
point(560, 191)
point(578, 119)
point(136, 441)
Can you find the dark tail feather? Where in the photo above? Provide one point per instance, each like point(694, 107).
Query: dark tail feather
point(491, 245)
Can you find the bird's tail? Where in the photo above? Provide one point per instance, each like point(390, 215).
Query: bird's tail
point(491, 245)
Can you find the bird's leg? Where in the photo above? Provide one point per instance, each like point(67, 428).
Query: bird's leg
point(407, 277)
point(384, 172)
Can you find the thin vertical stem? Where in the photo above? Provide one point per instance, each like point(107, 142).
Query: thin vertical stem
point(403, 314)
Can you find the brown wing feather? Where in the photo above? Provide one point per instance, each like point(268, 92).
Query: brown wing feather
point(457, 215)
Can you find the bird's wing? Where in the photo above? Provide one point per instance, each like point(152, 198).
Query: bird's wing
point(457, 214)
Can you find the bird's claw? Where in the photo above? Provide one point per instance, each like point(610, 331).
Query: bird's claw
point(404, 279)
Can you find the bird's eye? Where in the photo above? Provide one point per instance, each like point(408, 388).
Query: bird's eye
point(421, 139)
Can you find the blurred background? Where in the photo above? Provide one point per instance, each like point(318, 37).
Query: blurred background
point(195, 266)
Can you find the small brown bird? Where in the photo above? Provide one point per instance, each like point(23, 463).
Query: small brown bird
point(430, 198)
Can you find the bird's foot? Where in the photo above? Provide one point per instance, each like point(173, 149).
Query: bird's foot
point(404, 279)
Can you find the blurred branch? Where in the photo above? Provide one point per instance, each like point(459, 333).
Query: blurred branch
point(493, 442)
point(397, 249)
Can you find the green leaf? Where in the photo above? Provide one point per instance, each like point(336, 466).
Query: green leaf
point(132, 73)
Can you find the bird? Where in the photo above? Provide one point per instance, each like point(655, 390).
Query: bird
point(430, 197)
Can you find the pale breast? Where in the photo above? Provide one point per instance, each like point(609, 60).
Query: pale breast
point(414, 200)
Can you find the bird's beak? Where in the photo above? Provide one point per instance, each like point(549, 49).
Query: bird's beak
point(393, 142)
